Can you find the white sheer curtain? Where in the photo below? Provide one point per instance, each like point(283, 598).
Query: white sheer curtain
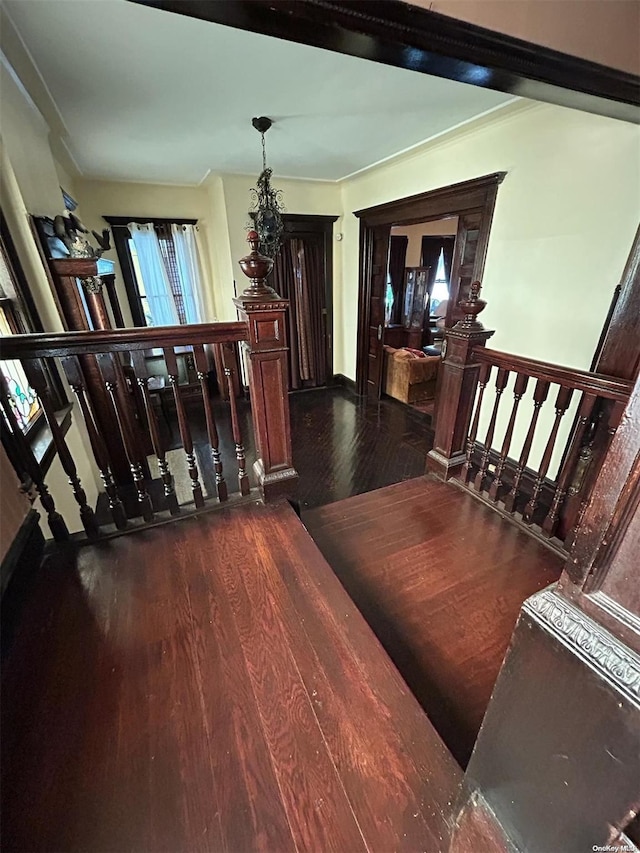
point(189, 270)
point(162, 306)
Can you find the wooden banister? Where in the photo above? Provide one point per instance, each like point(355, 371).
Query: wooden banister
point(456, 390)
point(529, 494)
point(609, 387)
point(58, 344)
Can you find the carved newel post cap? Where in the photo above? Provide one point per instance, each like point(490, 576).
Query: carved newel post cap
point(256, 267)
point(472, 306)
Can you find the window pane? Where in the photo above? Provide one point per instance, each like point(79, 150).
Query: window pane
point(440, 288)
point(168, 252)
point(22, 397)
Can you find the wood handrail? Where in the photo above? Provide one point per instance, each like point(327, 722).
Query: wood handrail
point(609, 387)
point(57, 344)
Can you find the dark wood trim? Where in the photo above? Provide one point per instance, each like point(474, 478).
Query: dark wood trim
point(618, 350)
point(298, 225)
point(581, 380)
point(24, 292)
point(27, 317)
point(14, 558)
point(21, 561)
point(472, 200)
point(142, 220)
point(433, 204)
point(57, 344)
point(419, 40)
point(121, 242)
point(316, 222)
point(344, 382)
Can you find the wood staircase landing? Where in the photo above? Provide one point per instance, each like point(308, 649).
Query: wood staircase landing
point(440, 577)
point(209, 685)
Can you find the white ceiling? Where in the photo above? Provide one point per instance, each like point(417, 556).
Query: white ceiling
point(146, 95)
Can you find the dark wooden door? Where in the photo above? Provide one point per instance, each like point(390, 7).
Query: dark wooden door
point(378, 240)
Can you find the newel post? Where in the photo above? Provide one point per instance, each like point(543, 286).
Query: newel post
point(265, 314)
point(457, 387)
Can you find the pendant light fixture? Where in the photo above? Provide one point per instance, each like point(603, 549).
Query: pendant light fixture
point(266, 202)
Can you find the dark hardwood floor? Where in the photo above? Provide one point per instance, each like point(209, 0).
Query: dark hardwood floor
point(440, 578)
point(208, 685)
point(343, 445)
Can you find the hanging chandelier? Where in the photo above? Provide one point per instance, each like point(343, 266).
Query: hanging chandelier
point(266, 202)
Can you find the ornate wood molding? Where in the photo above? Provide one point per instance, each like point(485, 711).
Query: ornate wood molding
point(588, 640)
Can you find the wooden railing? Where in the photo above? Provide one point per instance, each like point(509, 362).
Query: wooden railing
point(120, 358)
point(475, 445)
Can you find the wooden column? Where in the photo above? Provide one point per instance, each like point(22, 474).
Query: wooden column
point(456, 389)
point(265, 314)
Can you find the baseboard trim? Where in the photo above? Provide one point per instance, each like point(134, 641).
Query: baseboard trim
point(27, 541)
point(19, 566)
point(344, 382)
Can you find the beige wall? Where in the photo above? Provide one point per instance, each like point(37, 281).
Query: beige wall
point(603, 31)
point(221, 207)
point(111, 198)
point(415, 233)
point(28, 171)
point(564, 222)
point(311, 197)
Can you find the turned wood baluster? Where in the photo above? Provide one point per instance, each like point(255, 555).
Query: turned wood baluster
point(37, 379)
point(501, 381)
point(183, 424)
point(73, 372)
point(483, 378)
point(56, 522)
point(613, 422)
point(142, 379)
point(123, 417)
point(519, 388)
point(212, 431)
point(562, 402)
point(243, 479)
point(550, 522)
point(539, 396)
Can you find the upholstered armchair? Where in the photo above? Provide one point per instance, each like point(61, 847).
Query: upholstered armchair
point(408, 377)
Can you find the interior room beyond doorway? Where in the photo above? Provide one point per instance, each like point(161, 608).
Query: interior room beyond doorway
point(416, 303)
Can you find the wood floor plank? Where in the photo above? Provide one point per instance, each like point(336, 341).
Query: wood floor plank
point(400, 813)
point(159, 696)
point(440, 578)
point(251, 810)
point(319, 812)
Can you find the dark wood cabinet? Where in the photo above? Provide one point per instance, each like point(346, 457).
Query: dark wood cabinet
point(416, 297)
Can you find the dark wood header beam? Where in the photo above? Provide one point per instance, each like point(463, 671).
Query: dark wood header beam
point(416, 39)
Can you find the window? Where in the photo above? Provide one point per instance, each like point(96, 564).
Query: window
point(23, 399)
point(17, 316)
point(160, 268)
point(441, 285)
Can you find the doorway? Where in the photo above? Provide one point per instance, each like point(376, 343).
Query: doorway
point(416, 305)
point(472, 202)
point(303, 274)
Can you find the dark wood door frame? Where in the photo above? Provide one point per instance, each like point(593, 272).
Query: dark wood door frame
point(471, 199)
point(300, 224)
